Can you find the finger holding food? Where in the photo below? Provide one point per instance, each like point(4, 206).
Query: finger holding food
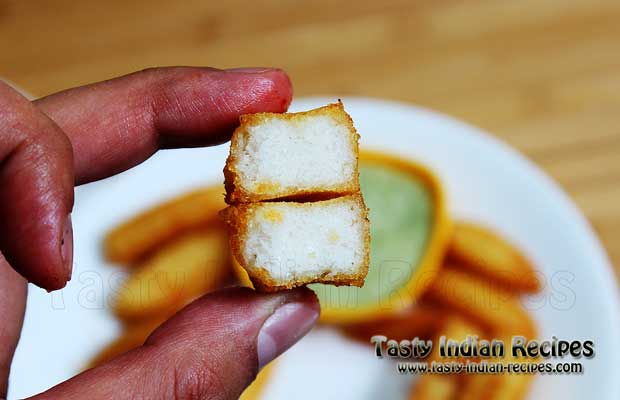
point(132, 336)
point(257, 388)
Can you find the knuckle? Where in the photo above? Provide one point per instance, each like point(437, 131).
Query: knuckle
point(195, 379)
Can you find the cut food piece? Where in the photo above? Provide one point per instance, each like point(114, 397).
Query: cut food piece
point(288, 244)
point(293, 155)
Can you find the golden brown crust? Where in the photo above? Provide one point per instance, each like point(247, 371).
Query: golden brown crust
point(237, 217)
point(139, 236)
point(236, 193)
point(481, 251)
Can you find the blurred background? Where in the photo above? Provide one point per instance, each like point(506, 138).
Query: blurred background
point(543, 76)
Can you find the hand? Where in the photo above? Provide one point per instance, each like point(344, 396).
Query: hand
point(214, 347)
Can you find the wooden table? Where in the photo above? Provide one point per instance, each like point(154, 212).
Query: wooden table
point(542, 75)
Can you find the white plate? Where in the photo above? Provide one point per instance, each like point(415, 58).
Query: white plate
point(485, 181)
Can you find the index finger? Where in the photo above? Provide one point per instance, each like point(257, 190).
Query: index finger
point(117, 124)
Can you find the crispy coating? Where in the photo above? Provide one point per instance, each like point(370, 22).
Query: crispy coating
point(237, 218)
point(480, 251)
point(237, 192)
point(137, 237)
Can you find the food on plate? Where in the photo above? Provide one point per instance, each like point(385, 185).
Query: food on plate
point(288, 244)
point(416, 321)
point(293, 155)
point(180, 271)
point(142, 234)
point(435, 387)
point(481, 251)
point(410, 230)
point(455, 327)
point(496, 310)
point(410, 290)
point(507, 386)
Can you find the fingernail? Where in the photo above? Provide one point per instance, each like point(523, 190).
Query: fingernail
point(252, 70)
point(289, 323)
point(66, 246)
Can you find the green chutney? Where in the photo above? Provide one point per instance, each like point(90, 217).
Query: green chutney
point(401, 216)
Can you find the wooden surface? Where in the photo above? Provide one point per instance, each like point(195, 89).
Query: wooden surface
point(543, 76)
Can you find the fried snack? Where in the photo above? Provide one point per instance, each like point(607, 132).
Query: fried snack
point(494, 309)
point(497, 387)
point(435, 387)
point(132, 240)
point(286, 244)
point(455, 327)
point(432, 386)
point(191, 266)
point(416, 321)
point(479, 250)
point(134, 335)
point(293, 155)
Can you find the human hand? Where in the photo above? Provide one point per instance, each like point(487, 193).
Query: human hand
point(214, 347)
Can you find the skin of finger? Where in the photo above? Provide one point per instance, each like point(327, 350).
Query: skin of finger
point(36, 190)
point(117, 124)
point(13, 291)
point(207, 351)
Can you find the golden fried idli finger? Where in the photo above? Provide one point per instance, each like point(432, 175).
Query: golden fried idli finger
point(479, 250)
point(506, 386)
point(420, 321)
point(494, 309)
point(435, 387)
point(137, 237)
point(189, 267)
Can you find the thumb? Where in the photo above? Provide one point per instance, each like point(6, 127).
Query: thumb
point(212, 349)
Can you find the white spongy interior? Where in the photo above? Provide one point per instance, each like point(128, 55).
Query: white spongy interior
point(315, 151)
point(292, 241)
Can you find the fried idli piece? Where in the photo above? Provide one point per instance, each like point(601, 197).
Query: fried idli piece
point(495, 387)
point(506, 386)
point(479, 250)
point(420, 321)
point(435, 387)
point(135, 238)
point(287, 244)
point(179, 272)
point(496, 310)
point(293, 155)
point(454, 327)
